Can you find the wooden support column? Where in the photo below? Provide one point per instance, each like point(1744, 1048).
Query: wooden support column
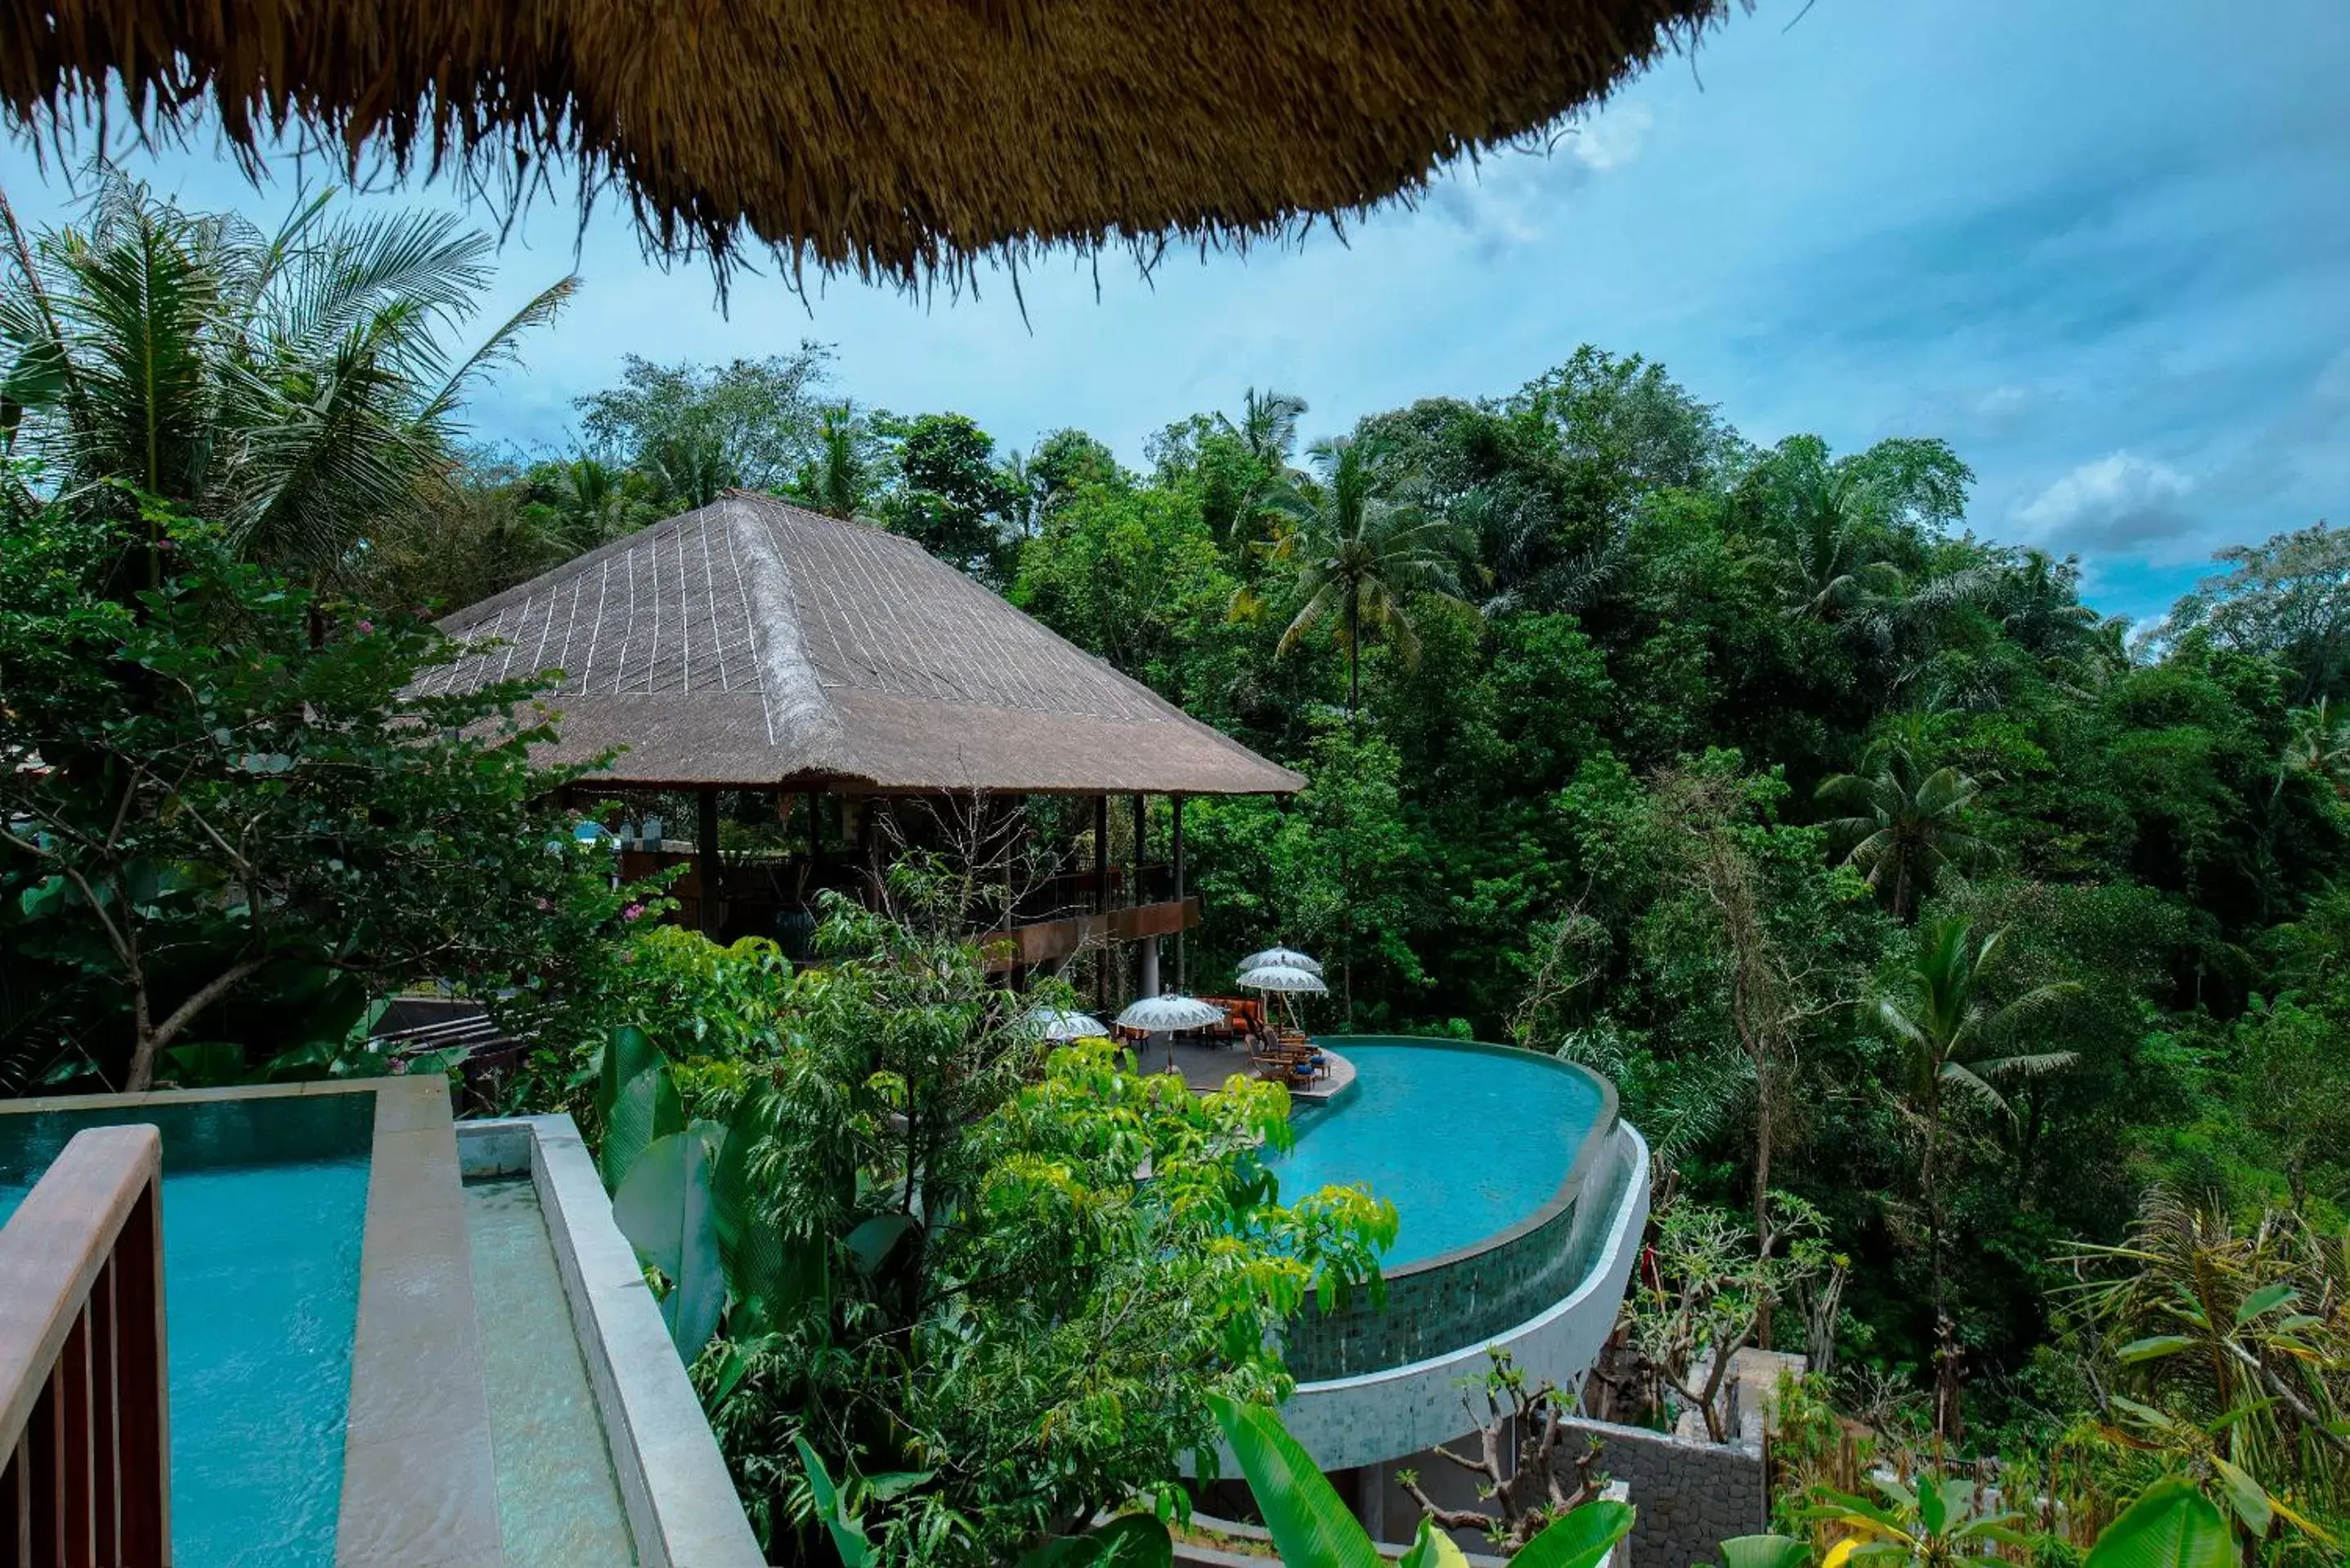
point(705, 847)
point(1175, 854)
point(1146, 952)
point(1101, 896)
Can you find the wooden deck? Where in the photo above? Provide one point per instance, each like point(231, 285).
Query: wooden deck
point(1205, 1068)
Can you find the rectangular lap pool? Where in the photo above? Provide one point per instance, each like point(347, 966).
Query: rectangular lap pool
point(265, 1204)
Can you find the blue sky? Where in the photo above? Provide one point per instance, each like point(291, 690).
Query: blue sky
point(2102, 248)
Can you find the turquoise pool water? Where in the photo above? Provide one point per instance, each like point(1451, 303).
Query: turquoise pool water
point(1464, 1142)
point(261, 1284)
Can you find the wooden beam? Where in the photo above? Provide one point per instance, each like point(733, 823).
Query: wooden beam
point(1175, 854)
point(706, 854)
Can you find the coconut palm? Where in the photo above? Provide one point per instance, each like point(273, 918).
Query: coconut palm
point(1361, 553)
point(1904, 821)
point(292, 387)
point(835, 481)
point(1956, 1044)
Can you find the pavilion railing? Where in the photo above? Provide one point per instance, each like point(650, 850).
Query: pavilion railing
point(84, 1419)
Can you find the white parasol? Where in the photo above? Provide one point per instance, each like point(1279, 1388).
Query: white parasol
point(1279, 958)
point(1154, 1013)
point(1060, 1023)
point(1287, 979)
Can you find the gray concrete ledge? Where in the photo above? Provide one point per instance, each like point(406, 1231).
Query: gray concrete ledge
point(680, 1500)
point(1386, 1415)
point(418, 1487)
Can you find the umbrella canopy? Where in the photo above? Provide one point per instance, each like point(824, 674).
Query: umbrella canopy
point(1286, 980)
point(895, 141)
point(1154, 1013)
point(1279, 958)
point(1059, 1023)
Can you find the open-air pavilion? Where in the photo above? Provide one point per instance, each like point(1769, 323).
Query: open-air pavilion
point(870, 692)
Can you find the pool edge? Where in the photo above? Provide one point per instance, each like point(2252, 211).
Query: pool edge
point(682, 1509)
point(419, 1478)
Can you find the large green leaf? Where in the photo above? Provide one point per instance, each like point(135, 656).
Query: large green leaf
point(848, 1532)
point(1130, 1541)
point(663, 1208)
point(1431, 1548)
point(1310, 1525)
point(628, 1053)
point(2266, 1299)
point(644, 1110)
point(771, 1274)
point(2171, 1525)
point(1583, 1538)
point(1765, 1551)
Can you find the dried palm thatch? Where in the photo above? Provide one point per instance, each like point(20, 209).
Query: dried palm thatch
point(900, 141)
point(752, 645)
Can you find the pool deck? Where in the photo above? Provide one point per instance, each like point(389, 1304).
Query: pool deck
point(1205, 1068)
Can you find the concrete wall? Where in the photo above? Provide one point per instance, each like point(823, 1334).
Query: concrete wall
point(1471, 1295)
point(1382, 1416)
point(1691, 1496)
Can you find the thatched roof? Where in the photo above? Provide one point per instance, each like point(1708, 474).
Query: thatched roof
point(754, 644)
point(898, 141)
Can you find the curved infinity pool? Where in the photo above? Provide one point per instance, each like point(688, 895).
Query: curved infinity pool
point(1465, 1140)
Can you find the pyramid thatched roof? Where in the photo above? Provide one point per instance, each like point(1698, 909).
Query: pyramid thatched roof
point(754, 644)
point(899, 140)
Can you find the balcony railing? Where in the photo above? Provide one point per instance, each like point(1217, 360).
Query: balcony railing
point(84, 1424)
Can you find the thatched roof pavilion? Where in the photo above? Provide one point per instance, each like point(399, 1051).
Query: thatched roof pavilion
point(752, 644)
point(897, 142)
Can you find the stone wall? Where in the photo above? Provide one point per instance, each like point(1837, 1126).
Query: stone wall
point(1468, 1297)
point(1691, 1496)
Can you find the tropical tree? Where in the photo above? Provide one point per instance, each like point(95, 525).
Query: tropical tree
point(836, 480)
point(1904, 821)
point(293, 387)
point(1311, 1527)
point(1956, 1043)
point(2234, 1343)
point(1362, 552)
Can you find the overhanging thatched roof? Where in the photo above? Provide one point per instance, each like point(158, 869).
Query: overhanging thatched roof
point(899, 140)
point(754, 644)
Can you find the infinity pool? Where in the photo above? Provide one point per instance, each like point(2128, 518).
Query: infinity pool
point(264, 1205)
point(1465, 1141)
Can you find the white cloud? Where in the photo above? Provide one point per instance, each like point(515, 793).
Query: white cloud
point(2002, 404)
point(1508, 198)
point(1611, 139)
point(2118, 502)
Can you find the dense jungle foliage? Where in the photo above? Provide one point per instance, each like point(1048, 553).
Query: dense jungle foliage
point(1901, 894)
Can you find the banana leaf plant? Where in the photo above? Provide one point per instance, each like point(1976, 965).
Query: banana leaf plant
point(1933, 1526)
point(659, 1168)
point(1312, 1528)
point(1130, 1541)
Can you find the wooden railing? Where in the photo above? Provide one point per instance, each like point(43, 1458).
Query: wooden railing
point(83, 1425)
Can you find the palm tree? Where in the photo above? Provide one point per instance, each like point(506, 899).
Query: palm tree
point(1361, 554)
point(835, 481)
point(293, 387)
point(592, 501)
point(1903, 821)
point(1954, 1043)
point(689, 469)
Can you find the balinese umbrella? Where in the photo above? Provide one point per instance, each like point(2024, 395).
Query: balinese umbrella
point(1285, 981)
point(1280, 958)
point(1154, 1013)
point(900, 145)
point(1060, 1023)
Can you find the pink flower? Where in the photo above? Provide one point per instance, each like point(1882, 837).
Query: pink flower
point(366, 627)
point(633, 912)
point(542, 903)
point(399, 1068)
point(629, 957)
